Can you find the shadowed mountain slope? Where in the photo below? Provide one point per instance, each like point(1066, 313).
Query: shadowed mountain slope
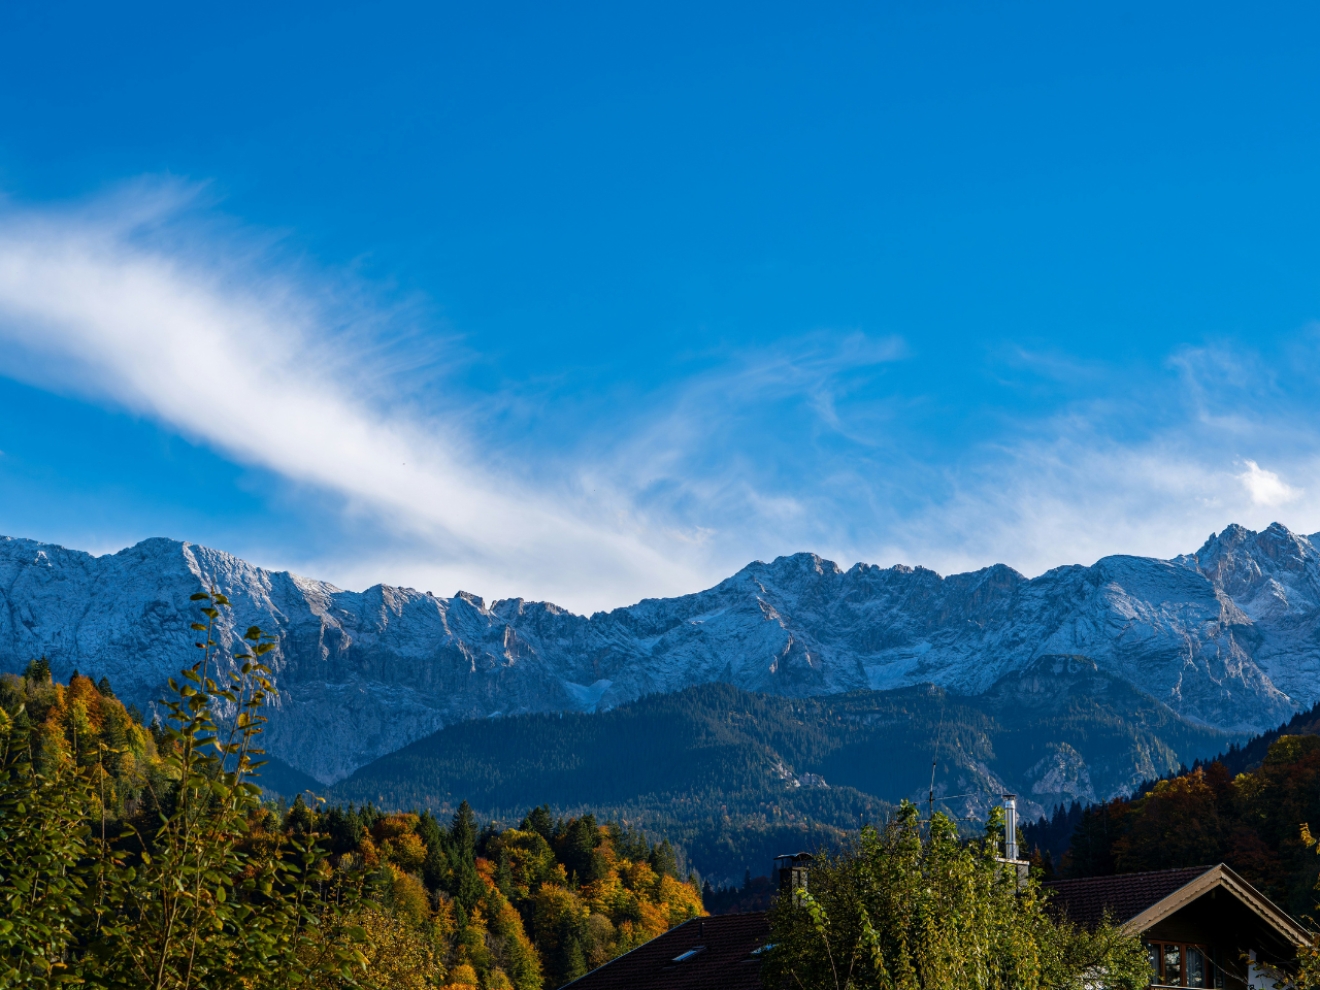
point(1059, 732)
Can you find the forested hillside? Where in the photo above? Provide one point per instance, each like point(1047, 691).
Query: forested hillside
point(737, 777)
point(83, 724)
point(141, 856)
point(1257, 821)
point(1253, 752)
point(537, 904)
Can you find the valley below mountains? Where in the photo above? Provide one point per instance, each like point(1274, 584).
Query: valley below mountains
point(1151, 662)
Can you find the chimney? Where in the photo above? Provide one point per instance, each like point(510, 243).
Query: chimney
point(792, 871)
point(1020, 866)
point(1010, 827)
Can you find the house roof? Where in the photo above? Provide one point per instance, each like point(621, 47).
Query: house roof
point(1085, 901)
point(1139, 901)
point(726, 960)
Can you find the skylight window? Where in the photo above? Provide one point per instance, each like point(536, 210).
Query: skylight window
point(689, 954)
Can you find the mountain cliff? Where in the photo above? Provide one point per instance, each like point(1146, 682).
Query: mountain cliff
point(1227, 637)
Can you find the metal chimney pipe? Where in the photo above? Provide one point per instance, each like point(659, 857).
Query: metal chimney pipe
point(792, 869)
point(1010, 826)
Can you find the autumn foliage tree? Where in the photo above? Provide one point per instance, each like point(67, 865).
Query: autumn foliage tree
point(1253, 822)
point(146, 857)
point(140, 858)
point(526, 907)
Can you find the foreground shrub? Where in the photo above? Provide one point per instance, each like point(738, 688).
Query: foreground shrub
point(916, 908)
point(124, 875)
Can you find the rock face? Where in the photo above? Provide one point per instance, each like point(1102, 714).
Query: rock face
point(1228, 636)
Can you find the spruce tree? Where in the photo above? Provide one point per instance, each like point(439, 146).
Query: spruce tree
point(663, 860)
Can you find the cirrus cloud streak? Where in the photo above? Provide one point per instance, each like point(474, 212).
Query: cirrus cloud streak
point(145, 301)
point(109, 302)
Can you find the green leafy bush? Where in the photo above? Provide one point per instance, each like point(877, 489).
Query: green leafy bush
point(913, 907)
point(139, 860)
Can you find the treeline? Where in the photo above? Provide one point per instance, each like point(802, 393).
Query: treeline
point(1252, 753)
point(755, 894)
point(146, 856)
point(708, 752)
point(1256, 821)
point(1049, 837)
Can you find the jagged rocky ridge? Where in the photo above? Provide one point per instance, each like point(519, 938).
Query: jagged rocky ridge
point(1228, 637)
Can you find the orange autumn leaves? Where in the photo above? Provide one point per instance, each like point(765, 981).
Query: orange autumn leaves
point(1253, 822)
point(519, 908)
point(620, 904)
point(441, 905)
point(79, 726)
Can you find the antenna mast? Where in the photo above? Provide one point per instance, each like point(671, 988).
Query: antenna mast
point(934, 759)
point(930, 805)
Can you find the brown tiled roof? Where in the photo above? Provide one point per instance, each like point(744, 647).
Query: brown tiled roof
point(1125, 895)
point(726, 963)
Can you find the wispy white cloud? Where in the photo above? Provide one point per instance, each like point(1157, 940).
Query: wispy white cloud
point(1124, 460)
point(1146, 461)
point(145, 302)
point(1265, 487)
point(117, 302)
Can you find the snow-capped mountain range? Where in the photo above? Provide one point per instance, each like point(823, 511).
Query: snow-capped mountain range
point(1228, 636)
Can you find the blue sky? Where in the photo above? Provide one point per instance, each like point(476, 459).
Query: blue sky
point(592, 303)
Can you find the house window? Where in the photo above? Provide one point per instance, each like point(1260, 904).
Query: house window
point(1197, 967)
point(1182, 964)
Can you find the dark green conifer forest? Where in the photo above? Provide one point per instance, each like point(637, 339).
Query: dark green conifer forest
point(736, 778)
point(1258, 821)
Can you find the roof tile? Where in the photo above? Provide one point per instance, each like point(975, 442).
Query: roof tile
point(1125, 895)
point(726, 963)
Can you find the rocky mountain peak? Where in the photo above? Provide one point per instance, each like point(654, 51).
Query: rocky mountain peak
point(1268, 572)
point(1274, 548)
point(1228, 637)
point(476, 601)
